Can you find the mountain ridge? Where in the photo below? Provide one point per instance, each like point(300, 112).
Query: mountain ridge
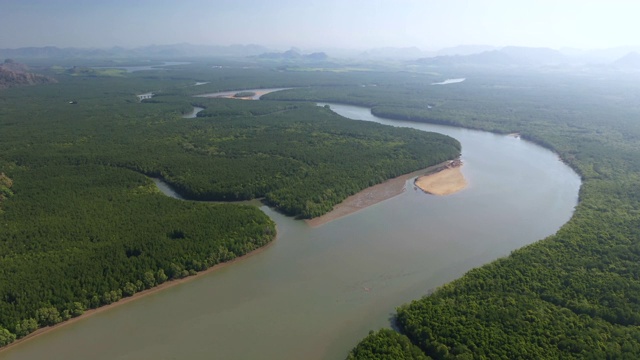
point(15, 74)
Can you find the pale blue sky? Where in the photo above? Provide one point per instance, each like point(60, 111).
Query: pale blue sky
point(358, 24)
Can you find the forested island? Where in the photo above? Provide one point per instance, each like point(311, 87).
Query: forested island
point(83, 225)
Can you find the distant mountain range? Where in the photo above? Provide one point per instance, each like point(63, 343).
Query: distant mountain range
point(294, 54)
point(464, 50)
point(404, 53)
point(629, 61)
point(464, 55)
point(16, 74)
point(507, 56)
point(154, 51)
point(530, 57)
point(412, 53)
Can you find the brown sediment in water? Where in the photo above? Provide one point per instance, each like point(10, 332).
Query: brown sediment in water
point(134, 297)
point(378, 193)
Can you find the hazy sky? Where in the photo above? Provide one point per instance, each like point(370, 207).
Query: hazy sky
point(359, 24)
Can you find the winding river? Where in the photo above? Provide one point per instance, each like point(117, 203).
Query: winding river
point(315, 292)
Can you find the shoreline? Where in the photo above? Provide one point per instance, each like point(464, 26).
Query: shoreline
point(134, 297)
point(375, 194)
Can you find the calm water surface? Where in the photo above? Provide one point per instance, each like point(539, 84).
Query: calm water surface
point(315, 292)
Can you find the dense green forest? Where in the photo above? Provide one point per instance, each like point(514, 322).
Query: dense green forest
point(386, 344)
point(573, 295)
point(82, 225)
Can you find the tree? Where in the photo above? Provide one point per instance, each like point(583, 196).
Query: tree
point(6, 337)
point(48, 316)
point(161, 277)
point(129, 289)
point(149, 279)
point(26, 327)
point(77, 309)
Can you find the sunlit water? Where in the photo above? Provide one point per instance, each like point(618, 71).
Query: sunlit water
point(316, 291)
point(449, 81)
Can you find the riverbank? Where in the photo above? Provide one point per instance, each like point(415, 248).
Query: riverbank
point(135, 297)
point(383, 191)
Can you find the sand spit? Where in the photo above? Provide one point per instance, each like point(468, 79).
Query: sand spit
point(393, 187)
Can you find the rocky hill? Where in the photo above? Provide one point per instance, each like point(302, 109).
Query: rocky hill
point(15, 74)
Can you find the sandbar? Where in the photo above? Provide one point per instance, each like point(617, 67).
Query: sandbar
point(383, 191)
point(446, 182)
point(257, 93)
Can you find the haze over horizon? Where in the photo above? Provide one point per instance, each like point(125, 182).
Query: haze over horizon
point(357, 24)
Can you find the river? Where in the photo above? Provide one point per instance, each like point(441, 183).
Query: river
point(315, 292)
